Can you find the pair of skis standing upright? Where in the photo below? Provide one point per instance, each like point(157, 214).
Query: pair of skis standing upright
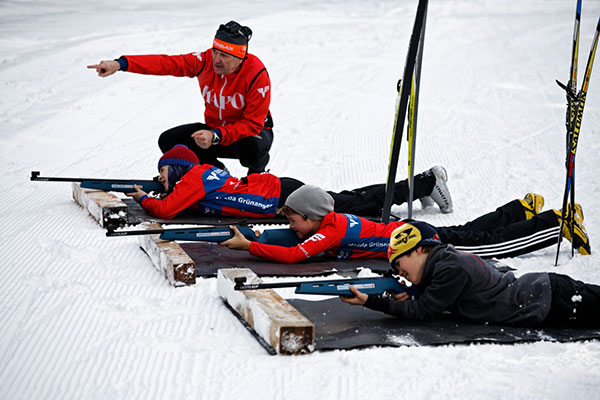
point(575, 104)
point(409, 94)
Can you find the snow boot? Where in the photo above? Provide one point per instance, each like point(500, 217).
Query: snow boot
point(580, 238)
point(426, 202)
point(440, 193)
point(533, 204)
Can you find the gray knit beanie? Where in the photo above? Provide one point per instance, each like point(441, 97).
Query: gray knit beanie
point(310, 201)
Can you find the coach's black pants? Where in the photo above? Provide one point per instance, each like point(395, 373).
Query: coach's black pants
point(252, 152)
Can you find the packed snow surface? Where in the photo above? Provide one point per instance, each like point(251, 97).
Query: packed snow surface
point(83, 316)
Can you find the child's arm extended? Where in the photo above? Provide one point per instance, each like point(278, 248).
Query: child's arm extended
point(186, 193)
point(318, 243)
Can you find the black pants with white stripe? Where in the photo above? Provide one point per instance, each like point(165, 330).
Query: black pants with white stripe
point(504, 232)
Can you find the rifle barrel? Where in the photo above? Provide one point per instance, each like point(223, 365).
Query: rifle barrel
point(136, 232)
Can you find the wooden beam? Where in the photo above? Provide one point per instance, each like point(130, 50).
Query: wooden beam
point(104, 207)
point(111, 212)
point(271, 317)
point(169, 258)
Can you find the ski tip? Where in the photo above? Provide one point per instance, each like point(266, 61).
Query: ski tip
point(34, 175)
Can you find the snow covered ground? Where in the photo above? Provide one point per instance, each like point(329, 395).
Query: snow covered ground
point(86, 316)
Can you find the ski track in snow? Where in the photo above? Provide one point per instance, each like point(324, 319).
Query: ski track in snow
point(86, 316)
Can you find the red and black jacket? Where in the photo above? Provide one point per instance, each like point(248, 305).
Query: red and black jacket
point(236, 104)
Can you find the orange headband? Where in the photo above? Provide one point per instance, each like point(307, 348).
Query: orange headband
point(236, 50)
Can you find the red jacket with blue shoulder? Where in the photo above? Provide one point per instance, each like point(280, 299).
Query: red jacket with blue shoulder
point(207, 189)
point(339, 236)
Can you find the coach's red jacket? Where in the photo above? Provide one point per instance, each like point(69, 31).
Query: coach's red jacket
point(236, 104)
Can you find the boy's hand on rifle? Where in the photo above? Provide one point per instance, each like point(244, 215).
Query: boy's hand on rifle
point(399, 296)
point(138, 194)
point(237, 242)
point(359, 298)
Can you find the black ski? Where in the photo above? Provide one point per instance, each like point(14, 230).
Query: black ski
point(413, 112)
point(571, 110)
point(409, 68)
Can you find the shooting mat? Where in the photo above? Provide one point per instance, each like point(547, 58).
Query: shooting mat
point(342, 326)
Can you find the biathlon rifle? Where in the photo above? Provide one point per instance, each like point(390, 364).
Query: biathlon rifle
point(335, 287)
point(280, 237)
point(113, 185)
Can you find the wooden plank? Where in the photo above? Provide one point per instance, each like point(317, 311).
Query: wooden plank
point(169, 258)
point(271, 316)
point(111, 212)
point(104, 207)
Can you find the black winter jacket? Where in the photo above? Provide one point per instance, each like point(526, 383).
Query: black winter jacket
point(465, 286)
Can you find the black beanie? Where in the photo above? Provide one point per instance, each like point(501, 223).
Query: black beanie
point(232, 38)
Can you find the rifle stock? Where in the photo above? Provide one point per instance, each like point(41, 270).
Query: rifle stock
point(217, 235)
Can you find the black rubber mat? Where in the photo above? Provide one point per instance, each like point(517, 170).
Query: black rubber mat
point(210, 257)
point(342, 326)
